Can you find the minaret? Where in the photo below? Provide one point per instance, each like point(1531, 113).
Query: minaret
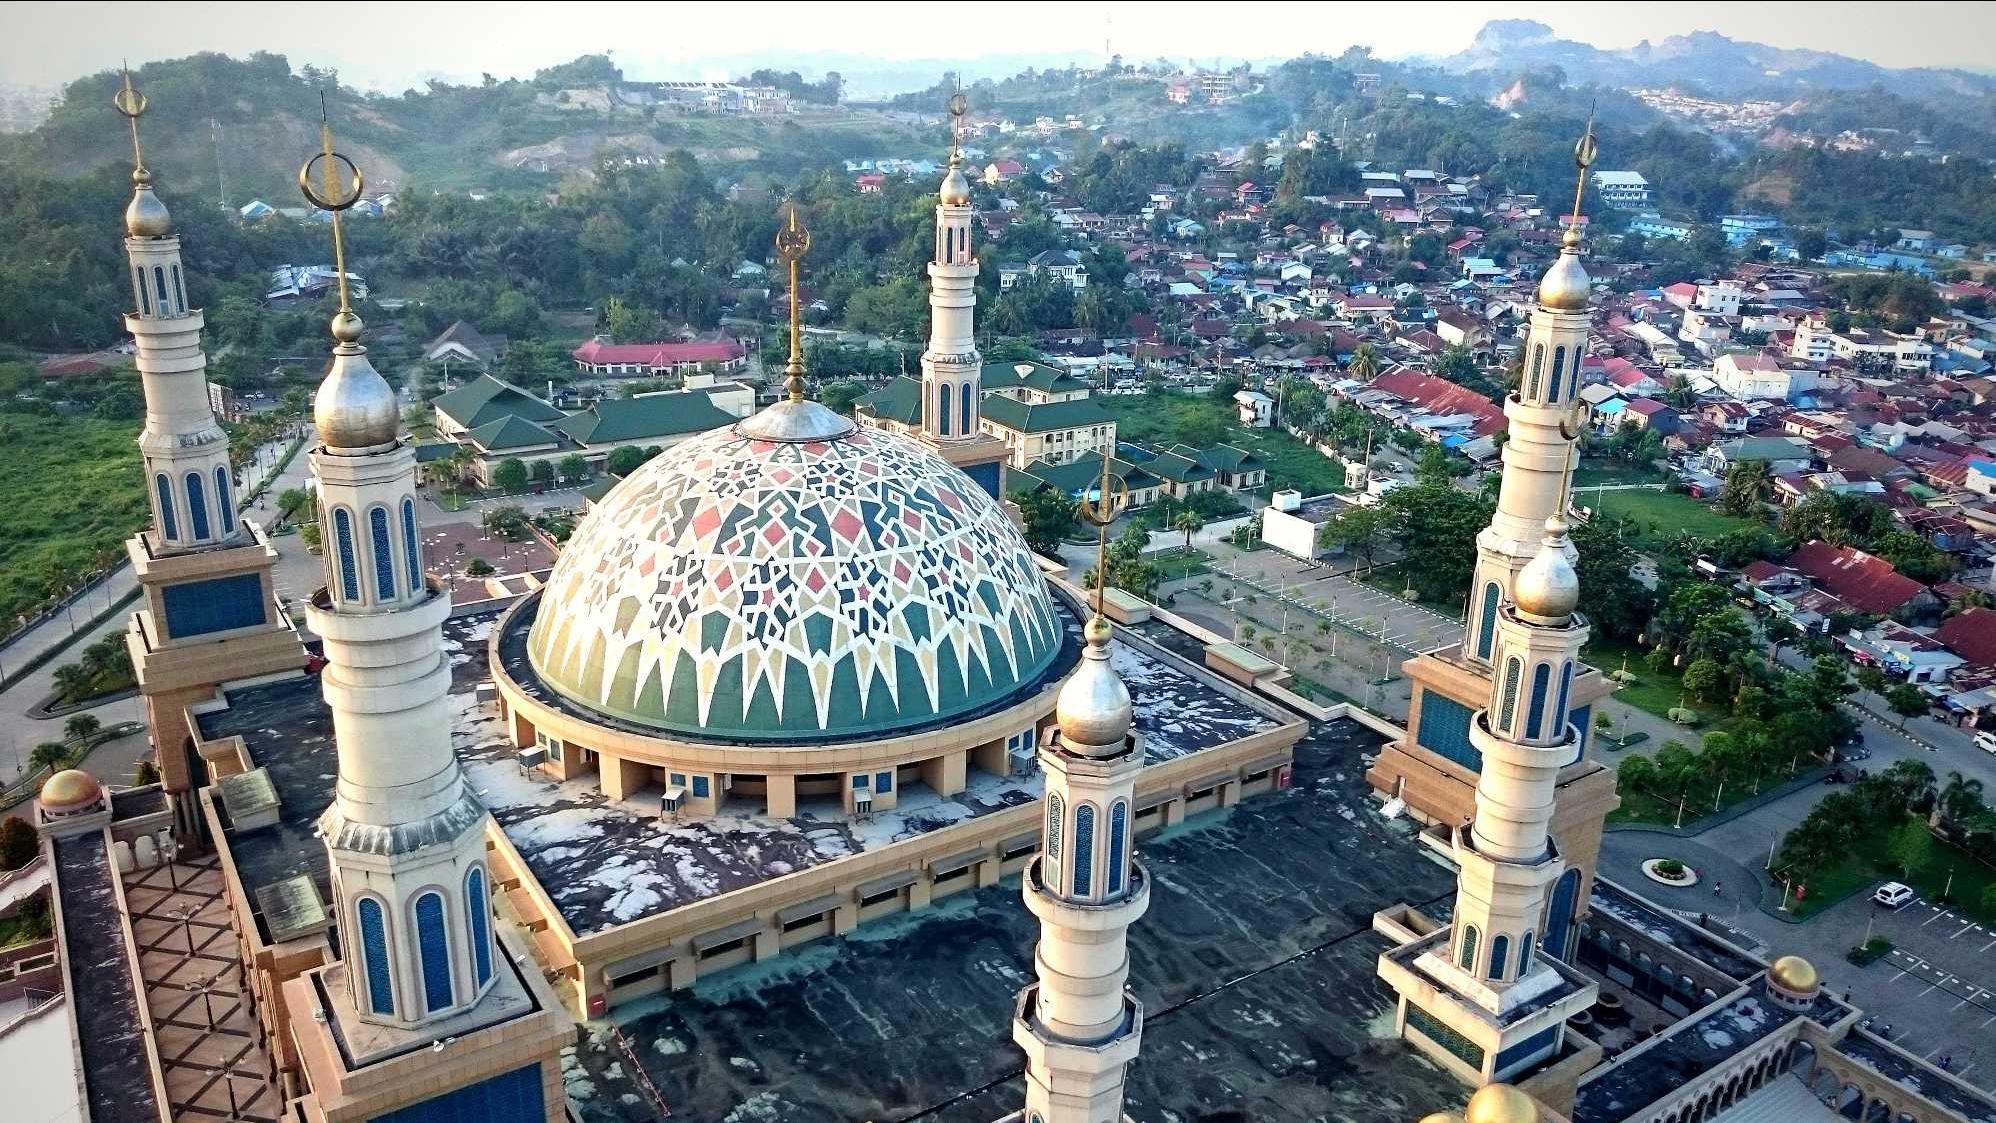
point(405, 834)
point(1483, 997)
point(1078, 1025)
point(1543, 435)
point(951, 364)
point(209, 614)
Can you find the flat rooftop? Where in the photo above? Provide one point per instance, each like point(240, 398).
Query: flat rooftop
point(1256, 965)
point(1671, 930)
point(117, 1075)
point(1894, 1064)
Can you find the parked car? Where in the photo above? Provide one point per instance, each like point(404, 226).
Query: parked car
point(1986, 741)
point(1893, 894)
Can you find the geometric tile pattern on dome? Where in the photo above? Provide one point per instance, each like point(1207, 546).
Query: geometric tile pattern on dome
point(770, 591)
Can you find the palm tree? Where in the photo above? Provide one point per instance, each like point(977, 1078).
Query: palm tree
point(1749, 486)
point(50, 755)
point(1187, 524)
point(1364, 362)
point(1960, 798)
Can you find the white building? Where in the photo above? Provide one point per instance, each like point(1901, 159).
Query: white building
point(1751, 377)
point(1622, 190)
point(1257, 409)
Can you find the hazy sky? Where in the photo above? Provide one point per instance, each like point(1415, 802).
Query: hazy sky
point(392, 46)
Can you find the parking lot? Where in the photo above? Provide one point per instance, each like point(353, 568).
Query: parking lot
point(1327, 590)
point(1937, 987)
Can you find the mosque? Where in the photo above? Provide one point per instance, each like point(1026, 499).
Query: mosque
point(723, 819)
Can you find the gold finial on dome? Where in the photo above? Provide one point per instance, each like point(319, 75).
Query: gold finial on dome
point(145, 216)
point(355, 408)
point(956, 189)
point(1500, 1103)
point(795, 417)
point(1794, 973)
point(1548, 588)
point(793, 241)
point(1093, 709)
point(1566, 286)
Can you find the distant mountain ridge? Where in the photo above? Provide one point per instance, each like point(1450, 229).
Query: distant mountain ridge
point(1714, 63)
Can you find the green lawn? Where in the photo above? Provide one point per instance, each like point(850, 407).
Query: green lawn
point(1179, 562)
point(1655, 693)
point(1593, 472)
point(1964, 878)
point(1156, 421)
point(1660, 514)
point(71, 491)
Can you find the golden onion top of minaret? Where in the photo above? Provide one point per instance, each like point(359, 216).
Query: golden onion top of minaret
point(956, 188)
point(1093, 709)
point(1566, 286)
point(145, 215)
point(795, 417)
point(354, 410)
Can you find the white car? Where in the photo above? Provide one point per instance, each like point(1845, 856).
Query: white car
point(1892, 894)
point(1986, 741)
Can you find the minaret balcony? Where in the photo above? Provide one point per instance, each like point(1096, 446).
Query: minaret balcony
point(1043, 1046)
point(1076, 915)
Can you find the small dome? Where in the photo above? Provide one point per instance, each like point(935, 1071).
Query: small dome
point(1093, 708)
point(1500, 1103)
point(1566, 286)
point(145, 216)
point(956, 189)
point(70, 790)
point(1442, 1117)
point(1792, 972)
point(355, 407)
point(1548, 588)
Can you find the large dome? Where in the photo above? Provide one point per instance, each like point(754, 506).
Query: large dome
point(740, 589)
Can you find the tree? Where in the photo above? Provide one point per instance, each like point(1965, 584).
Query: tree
point(840, 396)
point(574, 467)
point(542, 472)
point(478, 567)
point(1748, 487)
point(1364, 362)
point(146, 773)
point(1871, 678)
point(1906, 700)
point(1911, 845)
point(1360, 530)
point(1188, 524)
point(625, 459)
point(292, 500)
point(510, 475)
point(80, 727)
point(1435, 526)
point(1702, 678)
point(50, 755)
point(18, 844)
point(1048, 516)
point(1959, 800)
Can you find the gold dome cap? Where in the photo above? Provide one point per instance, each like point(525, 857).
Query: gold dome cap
point(1548, 588)
point(1093, 709)
point(355, 408)
point(1566, 286)
point(1794, 973)
point(956, 189)
point(1500, 1103)
point(145, 215)
point(70, 790)
point(1442, 1117)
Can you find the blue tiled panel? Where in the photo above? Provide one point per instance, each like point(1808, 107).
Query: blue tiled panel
point(411, 548)
point(224, 501)
point(1583, 724)
point(200, 607)
point(1559, 914)
point(434, 948)
point(1528, 1048)
point(384, 567)
point(1084, 849)
point(1445, 730)
point(989, 477)
point(197, 506)
point(1119, 823)
point(374, 949)
point(481, 918)
point(510, 1097)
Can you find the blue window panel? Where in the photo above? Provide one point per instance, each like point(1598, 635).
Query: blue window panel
point(1467, 960)
point(1565, 688)
point(343, 546)
point(159, 282)
point(222, 604)
point(859, 782)
point(224, 502)
point(1053, 826)
point(145, 295)
point(1532, 388)
point(1513, 670)
point(1084, 850)
point(990, 477)
point(1559, 914)
point(480, 920)
point(883, 781)
point(384, 554)
point(374, 950)
point(1552, 392)
point(1541, 686)
point(964, 399)
point(943, 411)
point(1119, 825)
point(433, 947)
point(411, 545)
point(1445, 730)
point(1525, 954)
point(163, 487)
point(702, 787)
point(1486, 631)
point(179, 294)
point(510, 1097)
point(197, 506)
point(1527, 1050)
point(1558, 362)
point(1500, 954)
point(1583, 725)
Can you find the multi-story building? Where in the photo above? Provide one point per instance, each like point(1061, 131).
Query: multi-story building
point(1622, 190)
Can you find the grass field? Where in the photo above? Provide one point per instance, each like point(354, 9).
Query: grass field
point(1660, 514)
point(1593, 472)
point(1655, 693)
point(1193, 419)
point(70, 491)
point(1868, 864)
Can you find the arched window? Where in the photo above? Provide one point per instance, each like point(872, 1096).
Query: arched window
point(374, 953)
point(1559, 363)
point(1512, 670)
point(1532, 384)
point(1084, 849)
point(1559, 713)
point(411, 545)
point(477, 924)
point(1486, 632)
point(225, 509)
point(1500, 954)
point(145, 295)
point(1467, 960)
point(167, 524)
point(1053, 827)
point(433, 950)
point(964, 398)
point(179, 294)
point(348, 566)
point(1525, 953)
point(945, 406)
point(1119, 823)
point(1538, 359)
point(384, 554)
point(159, 283)
point(197, 506)
point(1552, 392)
point(1541, 686)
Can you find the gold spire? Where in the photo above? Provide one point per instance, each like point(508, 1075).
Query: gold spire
point(1584, 152)
point(1093, 709)
point(334, 198)
point(1099, 510)
point(792, 243)
point(1566, 286)
point(145, 216)
point(355, 409)
point(956, 189)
